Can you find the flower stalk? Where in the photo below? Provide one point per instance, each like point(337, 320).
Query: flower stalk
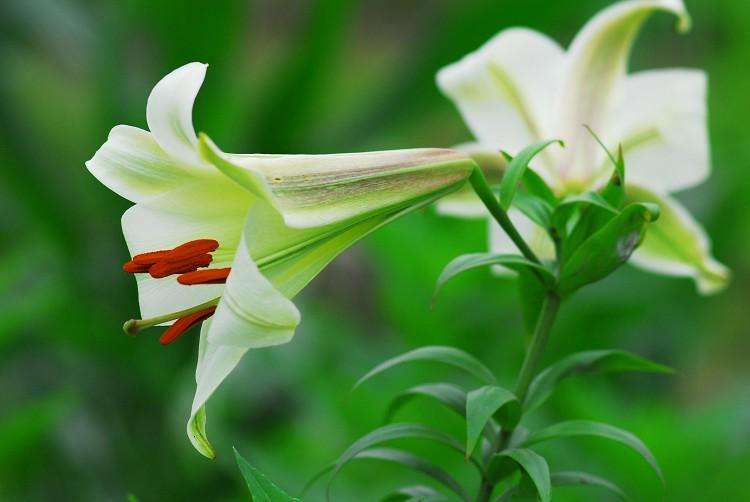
point(483, 191)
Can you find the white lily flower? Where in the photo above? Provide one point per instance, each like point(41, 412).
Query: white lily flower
point(522, 87)
point(234, 237)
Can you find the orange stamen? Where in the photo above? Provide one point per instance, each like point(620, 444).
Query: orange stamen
point(207, 276)
point(183, 324)
point(132, 267)
point(151, 257)
point(192, 249)
point(168, 267)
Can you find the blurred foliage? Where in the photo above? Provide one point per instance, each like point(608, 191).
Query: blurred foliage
point(89, 414)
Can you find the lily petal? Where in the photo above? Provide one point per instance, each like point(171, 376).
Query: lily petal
point(215, 363)
point(597, 61)
point(661, 121)
point(169, 112)
point(252, 312)
point(677, 245)
point(505, 90)
point(534, 235)
point(319, 190)
point(133, 165)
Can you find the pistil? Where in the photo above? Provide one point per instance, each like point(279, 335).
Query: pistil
point(133, 326)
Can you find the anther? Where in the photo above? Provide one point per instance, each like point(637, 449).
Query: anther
point(132, 267)
point(183, 324)
point(151, 257)
point(165, 268)
point(192, 248)
point(207, 276)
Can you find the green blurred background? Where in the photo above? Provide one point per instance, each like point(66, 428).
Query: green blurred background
point(87, 413)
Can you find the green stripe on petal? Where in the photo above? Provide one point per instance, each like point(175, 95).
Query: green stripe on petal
point(319, 190)
point(677, 245)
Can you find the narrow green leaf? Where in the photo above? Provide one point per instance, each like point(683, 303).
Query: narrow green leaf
point(614, 191)
point(261, 488)
point(484, 403)
point(537, 210)
point(418, 464)
point(574, 428)
point(514, 174)
point(530, 462)
point(392, 432)
point(573, 478)
point(537, 187)
point(578, 216)
point(590, 198)
point(471, 261)
point(593, 361)
point(448, 394)
point(607, 249)
point(445, 355)
point(417, 493)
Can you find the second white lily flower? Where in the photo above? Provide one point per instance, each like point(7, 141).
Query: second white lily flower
point(522, 87)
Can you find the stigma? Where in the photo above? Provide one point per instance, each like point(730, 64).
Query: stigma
point(187, 261)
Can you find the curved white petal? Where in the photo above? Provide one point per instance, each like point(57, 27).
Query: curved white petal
point(252, 312)
point(169, 112)
point(505, 90)
point(133, 165)
point(534, 235)
point(677, 245)
point(215, 363)
point(175, 219)
point(319, 190)
point(661, 120)
point(596, 61)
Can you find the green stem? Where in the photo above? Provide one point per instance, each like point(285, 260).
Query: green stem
point(538, 344)
point(479, 183)
point(529, 368)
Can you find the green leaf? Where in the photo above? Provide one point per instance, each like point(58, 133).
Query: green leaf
point(389, 433)
point(439, 354)
point(573, 478)
point(418, 464)
point(593, 361)
point(471, 261)
point(261, 488)
point(578, 216)
point(614, 191)
point(448, 394)
point(607, 249)
point(588, 198)
point(537, 210)
point(574, 428)
point(530, 462)
point(417, 493)
point(514, 174)
point(484, 403)
point(537, 187)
